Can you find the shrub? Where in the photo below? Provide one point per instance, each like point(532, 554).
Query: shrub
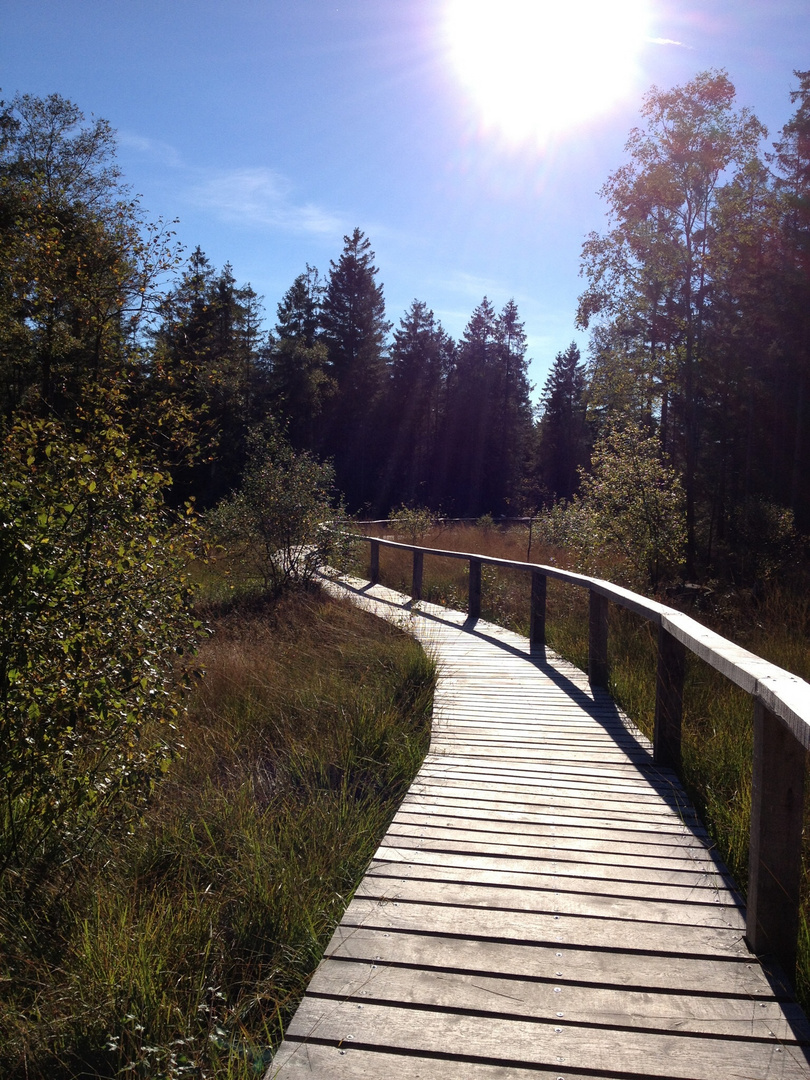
point(94, 610)
point(636, 502)
point(275, 522)
point(414, 522)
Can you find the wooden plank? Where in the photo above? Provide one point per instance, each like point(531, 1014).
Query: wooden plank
point(546, 927)
point(621, 771)
point(607, 844)
point(443, 868)
point(548, 778)
point(619, 806)
point(597, 854)
point(562, 813)
point(464, 891)
point(537, 796)
point(552, 1042)
point(587, 1005)
point(551, 823)
point(496, 858)
point(317, 1062)
point(613, 968)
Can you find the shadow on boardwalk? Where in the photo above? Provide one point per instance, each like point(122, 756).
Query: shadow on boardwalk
point(544, 902)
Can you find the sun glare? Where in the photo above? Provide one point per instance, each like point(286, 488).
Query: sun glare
point(535, 68)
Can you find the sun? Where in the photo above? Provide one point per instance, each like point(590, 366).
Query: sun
point(535, 68)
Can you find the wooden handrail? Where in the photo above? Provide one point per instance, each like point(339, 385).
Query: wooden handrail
point(781, 723)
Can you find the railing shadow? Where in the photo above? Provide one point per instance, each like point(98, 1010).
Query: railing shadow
point(594, 702)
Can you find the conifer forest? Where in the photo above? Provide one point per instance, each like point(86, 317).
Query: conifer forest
point(696, 295)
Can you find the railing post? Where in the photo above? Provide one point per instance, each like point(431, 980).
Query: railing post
point(374, 572)
point(474, 602)
point(774, 874)
point(416, 580)
point(537, 617)
point(597, 640)
point(669, 700)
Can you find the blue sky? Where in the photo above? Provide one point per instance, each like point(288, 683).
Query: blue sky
point(270, 128)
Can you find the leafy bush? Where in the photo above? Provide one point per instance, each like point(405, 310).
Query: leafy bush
point(569, 526)
point(414, 522)
point(93, 615)
point(765, 538)
point(636, 501)
point(275, 522)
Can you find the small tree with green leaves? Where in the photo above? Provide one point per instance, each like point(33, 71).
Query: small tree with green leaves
point(94, 617)
point(276, 520)
point(635, 501)
point(415, 522)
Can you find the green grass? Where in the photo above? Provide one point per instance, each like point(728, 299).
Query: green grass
point(182, 948)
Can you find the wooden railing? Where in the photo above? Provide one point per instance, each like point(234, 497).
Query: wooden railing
point(781, 707)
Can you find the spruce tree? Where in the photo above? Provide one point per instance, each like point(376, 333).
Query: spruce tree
point(300, 384)
point(354, 331)
point(421, 356)
point(489, 413)
point(563, 438)
point(792, 167)
point(471, 414)
point(208, 358)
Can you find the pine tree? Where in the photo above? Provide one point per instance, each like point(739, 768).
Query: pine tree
point(563, 437)
point(792, 166)
point(421, 356)
point(514, 416)
point(300, 384)
point(298, 313)
point(354, 331)
point(208, 357)
point(488, 413)
point(470, 414)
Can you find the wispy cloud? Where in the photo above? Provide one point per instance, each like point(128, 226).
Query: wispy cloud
point(164, 152)
point(668, 41)
point(260, 197)
point(474, 285)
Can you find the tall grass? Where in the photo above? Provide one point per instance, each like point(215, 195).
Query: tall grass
point(772, 620)
point(182, 948)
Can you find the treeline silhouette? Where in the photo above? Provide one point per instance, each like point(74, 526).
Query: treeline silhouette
point(697, 297)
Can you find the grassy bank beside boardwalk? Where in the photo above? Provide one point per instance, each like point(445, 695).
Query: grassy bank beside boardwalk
point(771, 619)
point(181, 948)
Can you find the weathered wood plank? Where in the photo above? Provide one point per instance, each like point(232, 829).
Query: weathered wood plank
point(604, 854)
point(596, 1006)
point(466, 892)
point(502, 859)
point(532, 831)
point(612, 968)
point(447, 868)
point(546, 927)
point(621, 807)
point(552, 824)
point(541, 804)
point(317, 1062)
point(545, 1042)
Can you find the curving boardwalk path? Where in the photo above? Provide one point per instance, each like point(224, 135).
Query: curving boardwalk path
point(545, 902)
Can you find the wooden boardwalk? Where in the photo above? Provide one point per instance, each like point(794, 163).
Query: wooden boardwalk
point(545, 902)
